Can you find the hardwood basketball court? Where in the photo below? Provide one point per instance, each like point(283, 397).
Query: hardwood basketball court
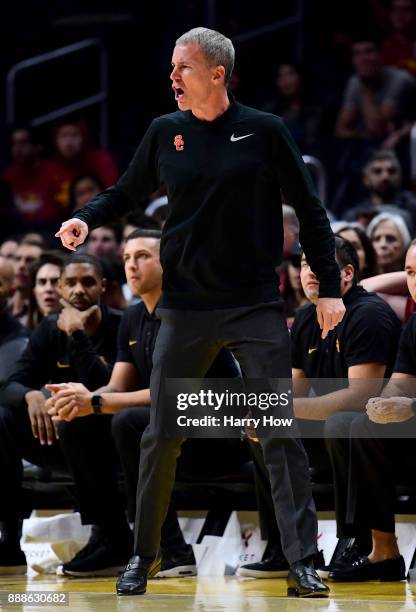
point(216, 594)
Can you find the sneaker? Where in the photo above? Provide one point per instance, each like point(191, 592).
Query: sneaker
point(177, 564)
point(273, 565)
point(101, 556)
point(390, 570)
point(12, 559)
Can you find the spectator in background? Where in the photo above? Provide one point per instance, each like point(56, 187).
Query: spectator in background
point(382, 178)
point(399, 49)
point(75, 157)
point(137, 219)
point(13, 336)
point(392, 287)
point(367, 257)
point(290, 247)
point(83, 189)
point(293, 295)
point(45, 296)
point(292, 102)
point(114, 291)
point(29, 178)
point(105, 241)
point(8, 247)
point(35, 238)
point(291, 231)
point(377, 99)
point(26, 254)
point(390, 238)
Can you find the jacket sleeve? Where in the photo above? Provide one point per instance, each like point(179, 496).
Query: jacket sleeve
point(315, 235)
point(32, 370)
point(135, 185)
point(92, 370)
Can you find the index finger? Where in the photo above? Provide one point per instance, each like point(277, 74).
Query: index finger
point(320, 317)
point(49, 429)
point(326, 325)
point(56, 386)
point(68, 226)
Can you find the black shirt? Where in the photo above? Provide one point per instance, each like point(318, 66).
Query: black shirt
point(11, 329)
point(223, 235)
point(52, 356)
point(406, 354)
point(136, 343)
point(368, 333)
point(13, 339)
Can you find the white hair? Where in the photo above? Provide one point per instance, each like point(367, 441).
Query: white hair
point(340, 226)
point(398, 222)
point(217, 48)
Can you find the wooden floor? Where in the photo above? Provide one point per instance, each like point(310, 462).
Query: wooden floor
point(216, 594)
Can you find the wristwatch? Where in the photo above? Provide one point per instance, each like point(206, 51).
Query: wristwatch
point(96, 403)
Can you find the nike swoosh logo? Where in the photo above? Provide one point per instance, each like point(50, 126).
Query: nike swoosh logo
point(311, 350)
point(132, 342)
point(63, 365)
point(235, 138)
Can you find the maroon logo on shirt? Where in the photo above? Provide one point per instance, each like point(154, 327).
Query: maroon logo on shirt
point(179, 142)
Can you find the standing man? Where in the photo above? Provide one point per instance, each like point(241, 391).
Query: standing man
point(224, 166)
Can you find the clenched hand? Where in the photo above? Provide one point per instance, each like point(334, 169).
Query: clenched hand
point(72, 233)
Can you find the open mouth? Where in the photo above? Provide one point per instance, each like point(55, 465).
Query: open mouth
point(50, 301)
point(179, 93)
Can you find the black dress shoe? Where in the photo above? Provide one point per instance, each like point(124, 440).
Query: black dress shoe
point(133, 580)
point(303, 581)
point(390, 570)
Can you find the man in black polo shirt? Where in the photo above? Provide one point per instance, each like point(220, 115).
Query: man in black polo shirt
point(78, 344)
point(383, 454)
point(127, 397)
point(356, 356)
point(13, 336)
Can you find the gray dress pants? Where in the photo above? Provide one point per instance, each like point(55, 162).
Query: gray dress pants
point(187, 344)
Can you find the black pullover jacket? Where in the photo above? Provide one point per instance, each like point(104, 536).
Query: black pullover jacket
point(223, 235)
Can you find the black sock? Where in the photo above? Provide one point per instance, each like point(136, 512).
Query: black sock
point(364, 542)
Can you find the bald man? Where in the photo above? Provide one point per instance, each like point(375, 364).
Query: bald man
point(13, 335)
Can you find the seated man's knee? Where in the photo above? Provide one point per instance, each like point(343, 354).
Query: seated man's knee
point(338, 425)
point(361, 427)
point(130, 421)
point(7, 415)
